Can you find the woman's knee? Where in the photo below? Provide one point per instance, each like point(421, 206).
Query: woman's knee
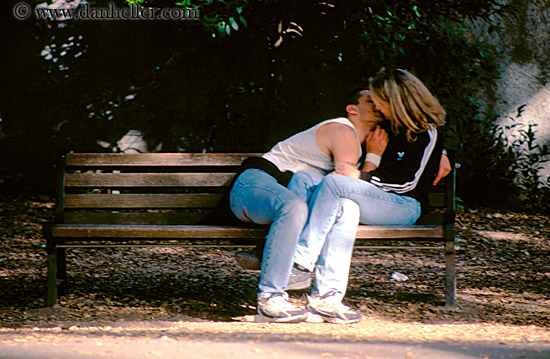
point(334, 182)
point(349, 208)
point(333, 179)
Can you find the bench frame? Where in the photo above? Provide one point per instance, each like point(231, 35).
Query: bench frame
point(188, 171)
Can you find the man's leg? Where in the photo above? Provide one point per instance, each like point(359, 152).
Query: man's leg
point(303, 184)
point(257, 197)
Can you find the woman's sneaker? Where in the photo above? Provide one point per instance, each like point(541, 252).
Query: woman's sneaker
point(276, 308)
point(331, 309)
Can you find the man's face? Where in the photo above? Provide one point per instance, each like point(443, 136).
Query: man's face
point(366, 108)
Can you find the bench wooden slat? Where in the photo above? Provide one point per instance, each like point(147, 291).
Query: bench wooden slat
point(101, 180)
point(157, 200)
point(194, 231)
point(156, 159)
point(170, 231)
point(159, 217)
point(384, 232)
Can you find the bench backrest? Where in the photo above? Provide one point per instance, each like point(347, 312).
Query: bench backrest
point(152, 188)
point(160, 188)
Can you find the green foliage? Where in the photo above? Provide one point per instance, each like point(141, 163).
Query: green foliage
point(430, 40)
point(529, 156)
point(502, 165)
point(486, 176)
point(244, 75)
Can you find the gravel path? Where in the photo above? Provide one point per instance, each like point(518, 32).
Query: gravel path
point(197, 303)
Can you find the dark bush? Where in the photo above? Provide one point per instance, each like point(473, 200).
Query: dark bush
point(243, 76)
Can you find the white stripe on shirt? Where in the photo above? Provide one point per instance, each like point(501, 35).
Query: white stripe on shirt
point(409, 186)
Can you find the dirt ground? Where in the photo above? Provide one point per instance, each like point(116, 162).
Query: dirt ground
point(503, 281)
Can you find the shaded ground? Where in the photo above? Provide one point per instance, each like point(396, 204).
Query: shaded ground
point(503, 280)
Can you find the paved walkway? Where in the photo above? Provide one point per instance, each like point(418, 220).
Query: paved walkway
point(371, 339)
point(199, 349)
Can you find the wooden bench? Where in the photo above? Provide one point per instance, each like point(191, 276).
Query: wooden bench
point(107, 199)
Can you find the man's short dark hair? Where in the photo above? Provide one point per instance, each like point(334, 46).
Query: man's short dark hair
point(350, 97)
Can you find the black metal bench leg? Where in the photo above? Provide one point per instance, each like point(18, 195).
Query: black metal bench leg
point(51, 291)
point(450, 275)
point(63, 285)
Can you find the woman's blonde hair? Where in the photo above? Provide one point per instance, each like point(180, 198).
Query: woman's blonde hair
point(412, 105)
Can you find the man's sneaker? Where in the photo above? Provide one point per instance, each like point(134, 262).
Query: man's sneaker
point(300, 278)
point(276, 308)
point(331, 309)
point(248, 260)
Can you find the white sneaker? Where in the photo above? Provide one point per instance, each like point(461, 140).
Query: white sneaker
point(331, 309)
point(314, 318)
point(276, 308)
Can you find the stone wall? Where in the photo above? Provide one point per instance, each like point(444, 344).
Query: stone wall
point(523, 38)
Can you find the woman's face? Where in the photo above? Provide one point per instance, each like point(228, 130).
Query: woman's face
point(382, 106)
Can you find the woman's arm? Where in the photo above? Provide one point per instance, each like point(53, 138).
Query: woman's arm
point(405, 162)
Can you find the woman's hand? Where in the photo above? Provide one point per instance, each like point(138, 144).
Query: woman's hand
point(377, 141)
point(444, 168)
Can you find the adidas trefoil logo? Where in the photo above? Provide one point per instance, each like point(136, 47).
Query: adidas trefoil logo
point(400, 155)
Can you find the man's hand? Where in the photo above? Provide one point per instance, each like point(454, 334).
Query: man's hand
point(345, 169)
point(377, 141)
point(444, 168)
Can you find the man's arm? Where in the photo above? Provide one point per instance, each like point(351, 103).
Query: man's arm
point(340, 142)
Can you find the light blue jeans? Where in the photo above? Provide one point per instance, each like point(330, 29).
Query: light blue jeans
point(258, 198)
point(318, 243)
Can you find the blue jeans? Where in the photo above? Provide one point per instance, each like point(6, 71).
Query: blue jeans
point(258, 198)
point(318, 243)
point(304, 183)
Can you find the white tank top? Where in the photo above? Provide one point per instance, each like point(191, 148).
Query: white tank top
point(301, 152)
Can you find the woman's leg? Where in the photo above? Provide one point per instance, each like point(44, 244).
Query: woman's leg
point(332, 269)
point(257, 197)
point(376, 207)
